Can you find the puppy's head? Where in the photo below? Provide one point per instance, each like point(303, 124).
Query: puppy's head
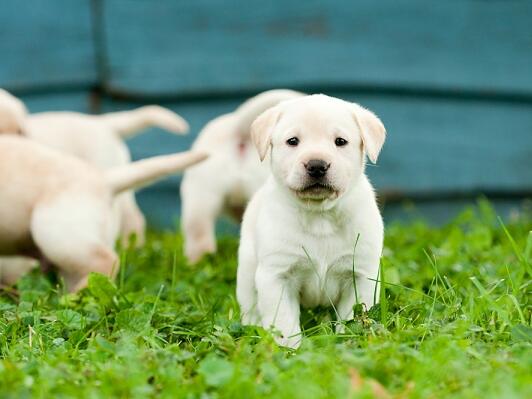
point(318, 144)
point(12, 114)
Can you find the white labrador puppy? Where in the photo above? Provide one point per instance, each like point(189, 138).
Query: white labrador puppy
point(97, 139)
point(57, 207)
point(228, 179)
point(299, 230)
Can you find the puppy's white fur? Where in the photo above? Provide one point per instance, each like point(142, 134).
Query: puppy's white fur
point(60, 208)
point(298, 239)
point(97, 139)
point(12, 113)
point(228, 179)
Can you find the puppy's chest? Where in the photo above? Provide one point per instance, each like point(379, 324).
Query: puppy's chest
point(321, 277)
point(322, 265)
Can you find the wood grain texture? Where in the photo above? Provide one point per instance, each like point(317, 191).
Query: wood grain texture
point(207, 46)
point(46, 43)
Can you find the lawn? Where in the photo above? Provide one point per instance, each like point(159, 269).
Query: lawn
point(454, 321)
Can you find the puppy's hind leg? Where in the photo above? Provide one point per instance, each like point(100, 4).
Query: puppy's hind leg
point(132, 220)
point(200, 208)
point(71, 232)
point(101, 260)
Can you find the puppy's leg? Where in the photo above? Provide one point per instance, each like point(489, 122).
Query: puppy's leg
point(246, 292)
point(345, 305)
point(367, 289)
point(70, 231)
point(278, 304)
point(101, 260)
point(132, 220)
point(367, 264)
point(200, 208)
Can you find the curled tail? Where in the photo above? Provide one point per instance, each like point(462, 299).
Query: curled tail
point(252, 108)
point(128, 123)
point(147, 171)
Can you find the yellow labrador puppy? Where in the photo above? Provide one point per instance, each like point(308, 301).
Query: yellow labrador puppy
point(299, 230)
point(228, 179)
point(97, 139)
point(55, 206)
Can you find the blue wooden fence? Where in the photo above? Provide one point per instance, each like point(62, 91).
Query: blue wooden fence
point(451, 80)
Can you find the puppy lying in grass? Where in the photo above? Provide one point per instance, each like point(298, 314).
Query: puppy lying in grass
point(97, 139)
point(301, 228)
point(228, 179)
point(58, 208)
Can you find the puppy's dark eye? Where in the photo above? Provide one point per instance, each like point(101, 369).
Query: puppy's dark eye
point(340, 142)
point(292, 141)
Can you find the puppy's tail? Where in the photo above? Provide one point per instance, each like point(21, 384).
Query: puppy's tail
point(147, 171)
point(252, 108)
point(129, 123)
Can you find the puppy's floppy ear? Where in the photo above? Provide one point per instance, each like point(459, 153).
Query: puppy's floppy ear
point(262, 129)
point(371, 129)
point(13, 112)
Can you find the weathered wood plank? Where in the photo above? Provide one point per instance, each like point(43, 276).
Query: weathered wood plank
point(449, 146)
point(163, 210)
point(205, 46)
point(78, 101)
point(46, 43)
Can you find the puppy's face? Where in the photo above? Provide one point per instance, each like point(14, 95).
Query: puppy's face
point(12, 114)
point(318, 144)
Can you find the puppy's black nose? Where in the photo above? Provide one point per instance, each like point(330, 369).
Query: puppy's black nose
point(317, 168)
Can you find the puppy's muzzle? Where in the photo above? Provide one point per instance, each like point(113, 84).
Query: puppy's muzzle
point(317, 168)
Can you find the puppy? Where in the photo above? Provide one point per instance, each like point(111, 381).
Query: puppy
point(97, 139)
point(227, 180)
point(56, 207)
point(312, 235)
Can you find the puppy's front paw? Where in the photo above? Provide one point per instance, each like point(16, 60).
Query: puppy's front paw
point(251, 318)
point(292, 342)
point(198, 252)
point(340, 328)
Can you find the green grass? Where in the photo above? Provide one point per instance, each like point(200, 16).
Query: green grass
point(454, 321)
